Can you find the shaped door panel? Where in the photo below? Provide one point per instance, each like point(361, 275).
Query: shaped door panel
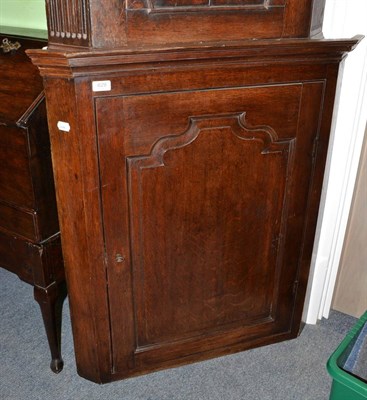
point(204, 202)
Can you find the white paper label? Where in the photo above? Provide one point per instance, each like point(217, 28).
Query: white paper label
point(101, 86)
point(63, 126)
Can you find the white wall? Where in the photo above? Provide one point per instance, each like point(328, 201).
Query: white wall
point(23, 14)
point(343, 18)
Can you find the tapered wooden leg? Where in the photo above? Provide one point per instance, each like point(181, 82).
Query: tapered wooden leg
point(51, 300)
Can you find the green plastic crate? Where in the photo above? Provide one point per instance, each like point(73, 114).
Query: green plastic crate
point(346, 386)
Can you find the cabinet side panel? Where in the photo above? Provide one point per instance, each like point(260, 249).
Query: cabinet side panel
point(73, 153)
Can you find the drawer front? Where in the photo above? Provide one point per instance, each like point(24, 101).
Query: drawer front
point(19, 222)
point(35, 264)
point(19, 257)
point(205, 199)
point(15, 177)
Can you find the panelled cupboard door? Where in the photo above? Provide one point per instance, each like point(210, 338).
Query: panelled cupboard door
point(204, 200)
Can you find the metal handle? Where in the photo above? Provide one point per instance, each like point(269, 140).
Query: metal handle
point(8, 46)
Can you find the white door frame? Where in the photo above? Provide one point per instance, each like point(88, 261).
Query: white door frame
point(343, 19)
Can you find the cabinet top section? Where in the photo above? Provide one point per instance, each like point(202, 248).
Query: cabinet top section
point(112, 24)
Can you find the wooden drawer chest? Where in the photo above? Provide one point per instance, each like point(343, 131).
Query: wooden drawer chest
point(189, 141)
point(29, 230)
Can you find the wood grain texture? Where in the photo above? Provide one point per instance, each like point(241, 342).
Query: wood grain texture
point(187, 222)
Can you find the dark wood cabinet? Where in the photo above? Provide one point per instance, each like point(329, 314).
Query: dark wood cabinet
point(188, 177)
point(29, 230)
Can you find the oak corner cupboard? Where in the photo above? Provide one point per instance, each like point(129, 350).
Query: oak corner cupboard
point(189, 140)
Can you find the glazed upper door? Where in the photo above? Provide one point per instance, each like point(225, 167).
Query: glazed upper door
point(204, 200)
